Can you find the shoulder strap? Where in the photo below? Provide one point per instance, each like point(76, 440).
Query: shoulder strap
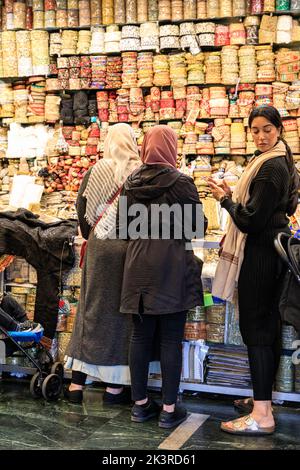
point(109, 202)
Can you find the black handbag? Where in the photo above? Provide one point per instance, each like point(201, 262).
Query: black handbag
point(288, 249)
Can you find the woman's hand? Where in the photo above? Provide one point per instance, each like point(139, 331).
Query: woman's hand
point(216, 189)
point(219, 188)
point(226, 188)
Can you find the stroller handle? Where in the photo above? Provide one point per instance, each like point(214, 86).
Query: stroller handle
point(279, 247)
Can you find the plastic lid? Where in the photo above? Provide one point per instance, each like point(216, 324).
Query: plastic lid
point(216, 300)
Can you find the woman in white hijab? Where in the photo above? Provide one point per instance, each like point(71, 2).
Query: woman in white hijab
point(100, 338)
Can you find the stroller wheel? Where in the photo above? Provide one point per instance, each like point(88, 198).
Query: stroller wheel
point(58, 368)
point(52, 386)
point(36, 385)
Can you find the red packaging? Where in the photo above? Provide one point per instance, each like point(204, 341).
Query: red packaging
point(123, 117)
point(67, 132)
point(222, 37)
point(256, 6)
point(181, 105)
point(103, 115)
point(85, 61)
point(167, 103)
point(29, 18)
point(155, 106)
point(122, 109)
point(91, 149)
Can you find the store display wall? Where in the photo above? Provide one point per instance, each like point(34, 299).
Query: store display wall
point(71, 68)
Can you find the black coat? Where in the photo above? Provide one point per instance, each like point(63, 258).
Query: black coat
point(48, 248)
point(160, 275)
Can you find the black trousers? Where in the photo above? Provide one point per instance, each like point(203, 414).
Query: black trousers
point(258, 289)
point(170, 328)
point(11, 313)
point(79, 378)
point(264, 362)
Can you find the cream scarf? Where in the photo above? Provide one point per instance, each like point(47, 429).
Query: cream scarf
point(120, 159)
point(232, 255)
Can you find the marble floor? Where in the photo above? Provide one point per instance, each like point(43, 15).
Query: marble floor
point(27, 423)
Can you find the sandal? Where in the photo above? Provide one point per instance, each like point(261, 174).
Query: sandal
point(244, 405)
point(246, 426)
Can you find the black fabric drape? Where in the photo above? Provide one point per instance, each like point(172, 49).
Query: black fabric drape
point(46, 247)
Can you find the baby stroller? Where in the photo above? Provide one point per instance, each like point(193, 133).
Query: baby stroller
point(48, 379)
point(288, 249)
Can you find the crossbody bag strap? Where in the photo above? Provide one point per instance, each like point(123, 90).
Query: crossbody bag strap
point(111, 200)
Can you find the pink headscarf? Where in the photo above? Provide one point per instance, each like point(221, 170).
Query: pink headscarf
point(160, 146)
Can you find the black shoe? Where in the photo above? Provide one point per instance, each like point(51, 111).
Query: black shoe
point(123, 398)
point(170, 420)
point(74, 396)
point(139, 414)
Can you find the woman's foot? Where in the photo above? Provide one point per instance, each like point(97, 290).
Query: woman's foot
point(248, 425)
point(264, 421)
point(145, 411)
point(74, 393)
point(171, 419)
point(117, 396)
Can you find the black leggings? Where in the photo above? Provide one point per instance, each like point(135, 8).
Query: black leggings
point(263, 361)
point(11, 313)
point(171, 330)
point(79, 378)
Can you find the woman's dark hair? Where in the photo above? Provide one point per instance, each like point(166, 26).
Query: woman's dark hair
point(272, 115)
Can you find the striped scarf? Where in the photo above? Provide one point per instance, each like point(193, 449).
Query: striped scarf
point(120, 159)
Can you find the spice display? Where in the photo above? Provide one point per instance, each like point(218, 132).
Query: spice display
point(120, 11)
point(146, 62)
point(212, 8)
point(19, 15)
point(256, 6)
point(96, 12)
point(61, 18)
point(23, 43)
point(84, 13)
point(177, 10)
point(295, 6)
point(149, 33)
point(107, 11)
point(97, 40)
point(282, 5)
point(164, 10)
point(189, 9)
point(9, 54)
point(226, 8)
point(142, 13)
point(152, 10)
point(269, 5)
point(239, 7)
point(284, 29)
point(131, 11)
point(194, 331)
point(285, 375)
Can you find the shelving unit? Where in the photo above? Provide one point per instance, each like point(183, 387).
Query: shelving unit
point(199, 243)
point(245, 392)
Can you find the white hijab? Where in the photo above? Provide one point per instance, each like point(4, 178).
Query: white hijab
point(119, 160)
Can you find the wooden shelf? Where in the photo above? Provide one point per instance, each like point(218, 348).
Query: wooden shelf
point(216, 19)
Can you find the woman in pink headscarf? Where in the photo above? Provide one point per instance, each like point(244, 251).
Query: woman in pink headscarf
point(162, 279)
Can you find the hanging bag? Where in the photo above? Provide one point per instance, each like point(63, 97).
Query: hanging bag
point(288, 249)
point(84, 244)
